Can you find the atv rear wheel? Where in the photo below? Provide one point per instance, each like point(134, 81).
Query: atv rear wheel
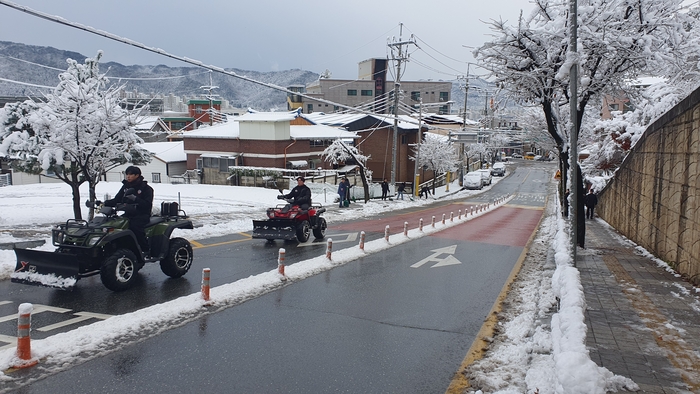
point(119, 270)
point(303, 231)
point(320, 230)
point(178, 259)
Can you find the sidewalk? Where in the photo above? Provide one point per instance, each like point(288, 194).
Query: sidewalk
point(643, 321)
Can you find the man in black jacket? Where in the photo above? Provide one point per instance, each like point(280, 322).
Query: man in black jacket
point(138, 199)
point(591, 200)
point(300, 195)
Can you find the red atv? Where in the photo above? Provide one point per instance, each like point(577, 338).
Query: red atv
point(290, 221)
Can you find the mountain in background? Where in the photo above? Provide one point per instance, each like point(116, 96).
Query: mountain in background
point(48, 62)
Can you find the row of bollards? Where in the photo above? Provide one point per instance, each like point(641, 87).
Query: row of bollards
point(24, 320)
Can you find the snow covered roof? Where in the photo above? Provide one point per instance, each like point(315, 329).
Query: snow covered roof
point(167, 151)
point(147, 122)
point(318, 132)
point(230, 130)
point(225, 130)
point(267, 117)
point(405, 122)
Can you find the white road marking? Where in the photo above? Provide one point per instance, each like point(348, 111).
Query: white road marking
point(350, 237)
point(448, 260)
point(82, 316)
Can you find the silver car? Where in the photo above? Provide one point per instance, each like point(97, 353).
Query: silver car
point(485, 176)
point(472, 180)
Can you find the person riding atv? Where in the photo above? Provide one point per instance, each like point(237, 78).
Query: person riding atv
point(299, 196)
point(295, 220)
point(138, 199)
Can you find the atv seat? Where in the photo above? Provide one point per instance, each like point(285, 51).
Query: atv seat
point(155, 220)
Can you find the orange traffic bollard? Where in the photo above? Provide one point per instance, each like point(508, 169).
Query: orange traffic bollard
point(432, 222)
point(329, 248)
point(443, 218)
point(386, 233)
point(206, 272)
point(405, 229)
point(420, 224)
point(24, 347)
point(459, 214)
point(280, 263)
point(362, 240)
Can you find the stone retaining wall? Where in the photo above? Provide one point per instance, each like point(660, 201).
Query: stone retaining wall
point(654, 198)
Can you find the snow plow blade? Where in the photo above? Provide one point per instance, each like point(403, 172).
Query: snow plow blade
point(274, 229)
point(48, 269)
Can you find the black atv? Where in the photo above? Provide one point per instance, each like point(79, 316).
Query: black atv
point(107, 247)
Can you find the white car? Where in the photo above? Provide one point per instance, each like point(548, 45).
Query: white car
point(472, 180)
point(498, 169)
point(485, 176)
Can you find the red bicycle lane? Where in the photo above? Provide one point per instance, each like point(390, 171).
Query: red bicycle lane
point(506, 225)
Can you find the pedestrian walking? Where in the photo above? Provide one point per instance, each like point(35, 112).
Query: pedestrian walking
point(591, 200)
point(385, 188)
point(400, 190)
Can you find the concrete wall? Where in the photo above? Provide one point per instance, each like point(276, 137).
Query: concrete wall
point(654, 198)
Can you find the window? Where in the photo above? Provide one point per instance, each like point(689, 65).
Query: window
point(198, 109)
point(614, 107)
point(404, 139)
point(316, 143)
point(366, 92)
point(225, 163)
point(444, 96)
point(309, 108)
point(156, 177)
point(352, 92)
point(177, 125)
point(415, 96)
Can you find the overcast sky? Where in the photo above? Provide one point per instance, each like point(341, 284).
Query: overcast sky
point(269, 35)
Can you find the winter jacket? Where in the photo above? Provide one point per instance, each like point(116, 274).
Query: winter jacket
point(138, 207)
point(300, 195)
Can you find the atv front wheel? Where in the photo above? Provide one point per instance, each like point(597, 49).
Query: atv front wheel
point(119, 270)
point(303, 231)
point(320, 230)
point(178, 260)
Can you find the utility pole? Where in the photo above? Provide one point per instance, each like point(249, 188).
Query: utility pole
point(464, 126)
point(401, 56)
point(416, 178)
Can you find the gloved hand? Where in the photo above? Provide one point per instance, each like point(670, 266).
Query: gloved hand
point(131, 197)
point(98, 203)
point(280, 197)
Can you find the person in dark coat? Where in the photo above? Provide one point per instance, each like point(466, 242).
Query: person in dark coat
point(385, 188)
point(300, 195)
point(342, 192)
point(400, 190)
point(591, 200)
point(425, 190)
point(138, 199)
point(347, 190)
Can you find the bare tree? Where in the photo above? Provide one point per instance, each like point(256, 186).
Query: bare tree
point(340, 152)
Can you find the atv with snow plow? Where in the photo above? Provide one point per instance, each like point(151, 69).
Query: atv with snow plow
point(106, 246)
point(291, 222)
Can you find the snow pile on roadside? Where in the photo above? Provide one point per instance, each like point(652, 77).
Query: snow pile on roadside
point(530, 354)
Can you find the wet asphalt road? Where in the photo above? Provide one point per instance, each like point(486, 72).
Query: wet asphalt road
point(385, 323)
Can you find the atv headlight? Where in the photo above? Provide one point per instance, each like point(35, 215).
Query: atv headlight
point(93, 240)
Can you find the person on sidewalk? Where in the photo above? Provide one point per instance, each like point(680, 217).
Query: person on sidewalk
point(347, 191)
point(342, 192)
point(385, 189)
point(591, 200)
point(400, 191)
point(425, 190)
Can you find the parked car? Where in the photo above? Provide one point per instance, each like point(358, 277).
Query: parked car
point(498, 169)
point(485, 176)
point(516, 156)
point(472, 180)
